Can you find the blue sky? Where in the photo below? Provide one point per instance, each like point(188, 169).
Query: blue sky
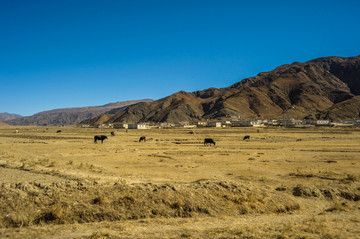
point(69, 53)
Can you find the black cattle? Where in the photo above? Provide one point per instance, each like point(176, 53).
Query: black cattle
point(59, 131)
point(246, 137)
point(112, 133)
point(142, 138)
point(99, 137)
point(209, 141)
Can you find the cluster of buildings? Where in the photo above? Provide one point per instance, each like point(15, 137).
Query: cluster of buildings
point(289, 123)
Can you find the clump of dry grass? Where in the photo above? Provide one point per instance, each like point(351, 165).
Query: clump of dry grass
point(302, 174)
point(309, 228)
point(61, 203)
point(350, 178)
point(327, 175)
point(337, 206)
point(101, 235)
point(328, 192)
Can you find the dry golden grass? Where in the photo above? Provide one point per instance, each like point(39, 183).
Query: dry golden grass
point(63, 185)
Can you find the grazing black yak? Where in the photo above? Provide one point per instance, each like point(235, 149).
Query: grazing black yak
point(99, 137)
point(59, 131)
point(142, 138)
point(246, 137)
point(112, 133)
point(209, 141)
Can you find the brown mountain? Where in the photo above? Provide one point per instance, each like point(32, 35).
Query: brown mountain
point(69, 116)
point(3, 124)
point(7, 116)
point(297, 90)
point(348, 109)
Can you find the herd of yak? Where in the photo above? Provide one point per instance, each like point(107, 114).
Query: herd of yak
point(207, 141)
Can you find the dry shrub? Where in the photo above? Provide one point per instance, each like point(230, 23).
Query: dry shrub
point(15, 220)
point(62, 203)
point(328, 175)
point(350, 178)
point(305, 191)
point(52, 164)
point(337, 206)
point(100, 235)
point(43, 162)
point(302, 174)
point(100, 200)
point(326, 192)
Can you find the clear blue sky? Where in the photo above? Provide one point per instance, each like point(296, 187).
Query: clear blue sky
point(69, 53)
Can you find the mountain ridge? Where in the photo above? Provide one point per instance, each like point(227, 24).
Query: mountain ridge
point(297, 90)
point(4, 116)
point(326, 87)
point(70, 116)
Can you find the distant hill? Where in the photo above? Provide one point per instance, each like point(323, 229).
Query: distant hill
point(70, 116)
point(317, 88)
point(3, 124)
point(7, 116)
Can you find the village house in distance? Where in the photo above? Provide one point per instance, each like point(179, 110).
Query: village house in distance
point(288, 123)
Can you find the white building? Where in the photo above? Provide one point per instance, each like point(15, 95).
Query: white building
point(214, 124)
point(257, 123)
point(138, 126)
point(322, 122)
point(121, 126)
point(190, 126)
point(254, 122)
point(104, 125)
point(202, 123)
point(240, 123)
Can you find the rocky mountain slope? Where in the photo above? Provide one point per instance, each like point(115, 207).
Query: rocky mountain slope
point(312, 89)
point(69, 116)
point(348, 109)
point(7, 116)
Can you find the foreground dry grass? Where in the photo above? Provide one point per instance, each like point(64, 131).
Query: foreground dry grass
point(297, 183)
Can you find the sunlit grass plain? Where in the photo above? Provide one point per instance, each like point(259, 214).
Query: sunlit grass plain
point(282, 183)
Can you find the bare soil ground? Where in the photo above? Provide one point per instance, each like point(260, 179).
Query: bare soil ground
point(282, 183)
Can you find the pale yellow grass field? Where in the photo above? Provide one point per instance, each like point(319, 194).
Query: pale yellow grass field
point(63, 185)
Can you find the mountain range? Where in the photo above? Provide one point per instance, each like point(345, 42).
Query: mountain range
point(70, 116)
point(323, 88)
point(7, 116)
point(326, 88)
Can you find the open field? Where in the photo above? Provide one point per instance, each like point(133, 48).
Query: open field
point(282, 183)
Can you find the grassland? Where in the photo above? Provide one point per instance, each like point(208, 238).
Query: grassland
point(282, 183)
